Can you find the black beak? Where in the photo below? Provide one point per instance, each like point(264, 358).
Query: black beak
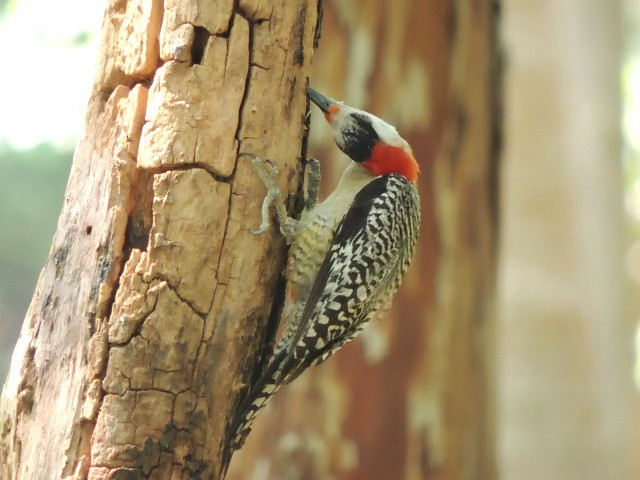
point(320, 100)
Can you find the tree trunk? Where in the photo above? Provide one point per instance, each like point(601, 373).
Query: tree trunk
point(415, 399)
point(143, 324)
point(566, 324)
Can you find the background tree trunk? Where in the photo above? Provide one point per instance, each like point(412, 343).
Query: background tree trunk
point(415, 399)
point(567, 326)
point(143, 324)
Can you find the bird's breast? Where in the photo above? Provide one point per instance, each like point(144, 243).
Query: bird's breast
point(307, 252)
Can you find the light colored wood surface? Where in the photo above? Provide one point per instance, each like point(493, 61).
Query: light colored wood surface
point(155, 300)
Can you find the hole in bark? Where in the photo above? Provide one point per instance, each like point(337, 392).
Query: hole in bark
point(89, 230)
point(199, 44)
point(140, 218)
point(136, 236)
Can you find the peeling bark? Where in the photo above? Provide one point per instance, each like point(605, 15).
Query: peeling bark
point(154, 305)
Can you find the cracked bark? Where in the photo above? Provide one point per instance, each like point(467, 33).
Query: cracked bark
point(154, 304)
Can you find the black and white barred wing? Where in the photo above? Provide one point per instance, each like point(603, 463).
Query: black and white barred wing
point(370, 253)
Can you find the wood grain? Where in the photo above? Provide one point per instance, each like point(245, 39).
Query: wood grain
point(152, 308)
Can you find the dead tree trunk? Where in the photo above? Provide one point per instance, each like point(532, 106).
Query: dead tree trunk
point(144, 319)
point(414, 400)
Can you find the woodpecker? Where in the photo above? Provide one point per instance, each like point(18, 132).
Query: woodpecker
point(348, 253)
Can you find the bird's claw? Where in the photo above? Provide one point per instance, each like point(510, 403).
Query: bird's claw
point(268, 172)
point(259, 231)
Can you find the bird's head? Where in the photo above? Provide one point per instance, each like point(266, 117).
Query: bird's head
point(367, 139)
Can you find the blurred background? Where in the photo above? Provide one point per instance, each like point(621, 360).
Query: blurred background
point(569, 240)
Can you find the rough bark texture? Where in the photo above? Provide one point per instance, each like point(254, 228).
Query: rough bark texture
point(143, 324)
point(414, 399)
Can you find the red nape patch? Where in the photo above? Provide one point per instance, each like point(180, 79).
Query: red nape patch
point(389, 159)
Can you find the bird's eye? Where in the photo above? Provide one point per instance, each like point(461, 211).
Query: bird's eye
point(359, 138)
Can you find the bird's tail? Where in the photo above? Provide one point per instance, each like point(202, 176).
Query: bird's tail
point(257, 398)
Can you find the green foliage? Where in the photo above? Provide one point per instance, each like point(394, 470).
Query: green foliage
point(32, 184)
point(6, 6)
point(81, 38)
